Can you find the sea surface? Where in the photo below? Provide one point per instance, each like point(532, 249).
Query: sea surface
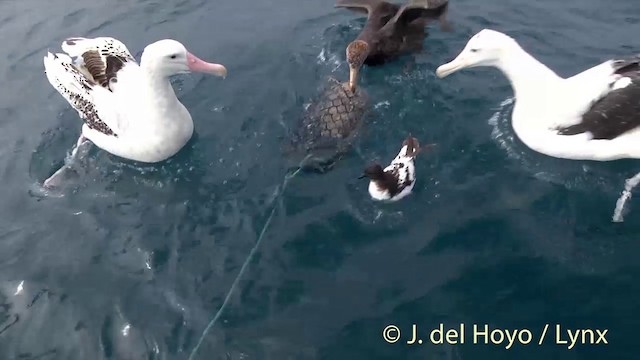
point(132, 261)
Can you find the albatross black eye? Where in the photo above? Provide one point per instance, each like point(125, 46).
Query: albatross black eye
point(173, 56)
point(475, 50)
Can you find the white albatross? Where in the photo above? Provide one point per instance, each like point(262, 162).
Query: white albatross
point(594, 115)
point(129, 109)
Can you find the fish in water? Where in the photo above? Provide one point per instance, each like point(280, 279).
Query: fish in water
point(396, 181)
point(392, 30)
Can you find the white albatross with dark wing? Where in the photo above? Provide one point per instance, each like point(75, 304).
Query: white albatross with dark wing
point(397, 180)
point(594, 115)
point(129, 109)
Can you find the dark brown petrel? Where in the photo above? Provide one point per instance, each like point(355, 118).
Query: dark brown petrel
point(392, 30)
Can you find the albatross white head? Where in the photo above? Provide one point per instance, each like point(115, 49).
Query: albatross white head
point(486, 48)
point(169, 57)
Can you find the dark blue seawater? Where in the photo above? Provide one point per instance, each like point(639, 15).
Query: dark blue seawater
point(133, 261)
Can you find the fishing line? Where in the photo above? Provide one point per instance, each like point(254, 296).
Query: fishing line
point(253, 251)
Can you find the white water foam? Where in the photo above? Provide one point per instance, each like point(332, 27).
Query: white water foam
point(502, 133)
point(626, 194)
point(326, 57)
point(384, 104)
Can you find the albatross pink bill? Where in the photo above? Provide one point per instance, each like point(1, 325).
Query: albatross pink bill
point(197, 65)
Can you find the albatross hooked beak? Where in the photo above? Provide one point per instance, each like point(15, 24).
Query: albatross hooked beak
point(470, 56)
point(197, 65)
point(460, 62)
point(486, 48)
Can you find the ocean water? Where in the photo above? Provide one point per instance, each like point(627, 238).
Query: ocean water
point(133, 261)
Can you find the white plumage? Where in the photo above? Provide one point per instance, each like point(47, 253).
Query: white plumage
point(397, 180)
point(129, 109)
point(594, 115)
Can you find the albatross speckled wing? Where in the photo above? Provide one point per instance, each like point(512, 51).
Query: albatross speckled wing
point(87, 83)
point(77, 89)
point(100, 59)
